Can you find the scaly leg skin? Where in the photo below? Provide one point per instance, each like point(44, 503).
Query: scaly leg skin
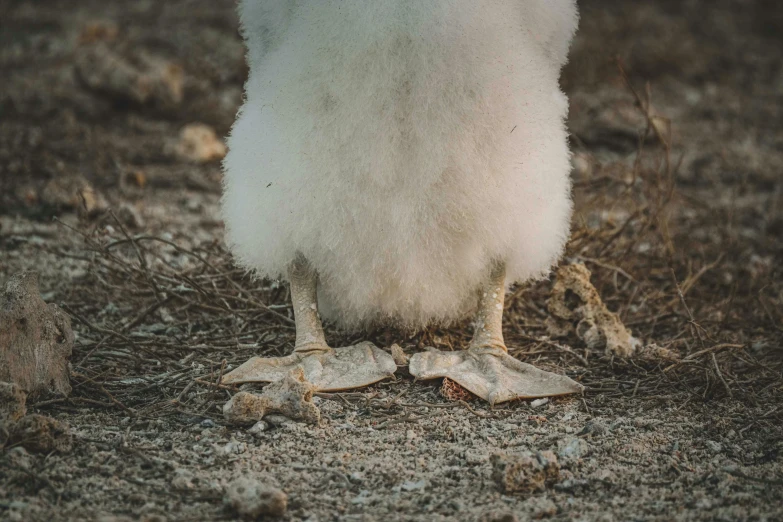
point(485, 368)
point(328, 369)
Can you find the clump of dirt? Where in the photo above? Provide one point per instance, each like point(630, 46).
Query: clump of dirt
point(399, 356)
point(252, 499)
point(525, 472)
point(291, 397)
point(72, 192)
point(40, 434)
point(13, 402)
point(143, 79)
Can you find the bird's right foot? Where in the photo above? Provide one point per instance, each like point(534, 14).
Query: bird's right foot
point(492, 374)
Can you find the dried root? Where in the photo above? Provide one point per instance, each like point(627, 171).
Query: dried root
point(576, 307)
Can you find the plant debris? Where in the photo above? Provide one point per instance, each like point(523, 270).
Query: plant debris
point(454, 392)
point(576, 306)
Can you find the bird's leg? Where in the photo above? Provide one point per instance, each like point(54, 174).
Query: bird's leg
point(327, 369)
point(488, 333)
point(309, 330)
point(485, 368)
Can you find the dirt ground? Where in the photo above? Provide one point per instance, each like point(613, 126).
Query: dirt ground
point(676, 111)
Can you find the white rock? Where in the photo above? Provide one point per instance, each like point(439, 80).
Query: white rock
point(183, 479)
point(714, 447)
point(414, 486)
point(258, 429)
point(198, 143)
point(573, 449)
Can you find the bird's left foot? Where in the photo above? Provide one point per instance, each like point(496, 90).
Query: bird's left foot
point(327, 369)
point(492, 374)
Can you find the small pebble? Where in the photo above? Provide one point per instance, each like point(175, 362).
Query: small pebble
point(258, 429)
point(18, 458)
point(363, 498)
point(199, 143)
point(573, 449)
point(714, 447)
point(399, 356)
point(499, 516)
point(541, 507)
point(130, 216)
point(183, 479)
point(234, 447)
point(594, 428)
point(414, 486)
point(582, 165)
point(17, 510)
point(252, 499)
point(525, 472)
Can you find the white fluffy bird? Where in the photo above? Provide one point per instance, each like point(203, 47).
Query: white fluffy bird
point(407, 158)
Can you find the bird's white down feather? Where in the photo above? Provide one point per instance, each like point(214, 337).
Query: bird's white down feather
point(401, 146)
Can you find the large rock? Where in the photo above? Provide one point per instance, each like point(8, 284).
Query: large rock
point(35, 339)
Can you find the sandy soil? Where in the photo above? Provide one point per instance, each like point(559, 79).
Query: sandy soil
point(679, 193)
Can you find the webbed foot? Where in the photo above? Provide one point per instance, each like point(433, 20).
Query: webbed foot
point(492, 374)
point(328, 369)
